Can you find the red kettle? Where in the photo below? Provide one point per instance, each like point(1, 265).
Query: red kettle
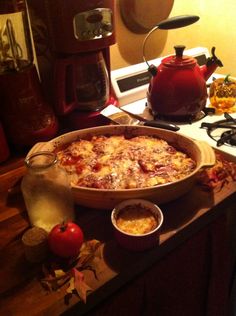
point(177, 89)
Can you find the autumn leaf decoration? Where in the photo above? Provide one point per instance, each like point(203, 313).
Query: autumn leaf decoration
point(217, 176)
point(77, 285)
point(72, 279)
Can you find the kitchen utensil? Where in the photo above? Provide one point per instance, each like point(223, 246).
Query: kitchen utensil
point(26, 116)
point(200, 151)
point(177, 88)
point(122, 116)
point(153, 123)
point(16, 50)
point(15, 40)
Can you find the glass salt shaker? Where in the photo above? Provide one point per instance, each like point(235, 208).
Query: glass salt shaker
point(46, 191)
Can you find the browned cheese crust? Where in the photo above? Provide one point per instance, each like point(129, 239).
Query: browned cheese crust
point(114, 162)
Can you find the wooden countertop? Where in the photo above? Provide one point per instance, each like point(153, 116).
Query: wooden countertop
point(20, 289)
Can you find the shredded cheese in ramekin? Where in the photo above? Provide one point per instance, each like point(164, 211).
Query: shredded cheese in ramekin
point(136, 220)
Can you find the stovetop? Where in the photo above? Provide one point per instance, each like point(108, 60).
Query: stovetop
point(131, 95)
point(193, 129)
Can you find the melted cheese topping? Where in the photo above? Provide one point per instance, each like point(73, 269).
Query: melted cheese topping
point(136, 220)
point(114, 162)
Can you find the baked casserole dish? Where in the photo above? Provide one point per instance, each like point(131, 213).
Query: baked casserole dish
point(108, 164)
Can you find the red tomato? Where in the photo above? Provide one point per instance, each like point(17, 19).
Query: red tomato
point(65, 240)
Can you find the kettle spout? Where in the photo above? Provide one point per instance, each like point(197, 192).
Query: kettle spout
point(212, 63)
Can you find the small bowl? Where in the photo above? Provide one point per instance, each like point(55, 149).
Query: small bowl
point(138, 240)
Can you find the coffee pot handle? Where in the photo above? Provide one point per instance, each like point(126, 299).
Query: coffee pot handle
point(65, 99)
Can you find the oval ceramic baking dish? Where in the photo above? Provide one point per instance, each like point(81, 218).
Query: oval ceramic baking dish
point(201, 152)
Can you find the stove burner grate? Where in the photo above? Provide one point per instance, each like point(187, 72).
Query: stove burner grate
point(223, 131)
point(228, 137)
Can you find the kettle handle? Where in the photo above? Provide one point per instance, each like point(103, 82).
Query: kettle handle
point(65, 97)
point(177, 22)
point(171, 23)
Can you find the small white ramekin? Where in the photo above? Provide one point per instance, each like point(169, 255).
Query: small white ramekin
point(132, 241)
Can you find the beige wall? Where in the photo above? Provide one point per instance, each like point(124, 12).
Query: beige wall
point(216, 27)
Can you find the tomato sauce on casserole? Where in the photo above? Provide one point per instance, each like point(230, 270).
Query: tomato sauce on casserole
point(117, 162)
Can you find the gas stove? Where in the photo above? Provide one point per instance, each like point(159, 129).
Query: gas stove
point(130, 85)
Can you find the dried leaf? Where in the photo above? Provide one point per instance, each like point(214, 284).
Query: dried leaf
point(60, 273)
point(48, 282)
point(54, 281)
point(81, 287)
point(88, 252)
point(88, 258)
point(217, 176)
point(90, 246)
point(61, 277)
point(45, 270)
point(71, 286)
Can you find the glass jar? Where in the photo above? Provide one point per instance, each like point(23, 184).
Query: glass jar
point(46, 191)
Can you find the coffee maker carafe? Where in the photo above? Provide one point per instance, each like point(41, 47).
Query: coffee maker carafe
point(81, 82)
point(80, 35)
